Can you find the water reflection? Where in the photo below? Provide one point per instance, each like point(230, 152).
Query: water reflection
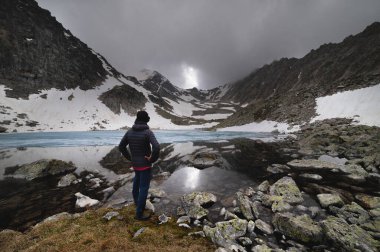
point(213, 179)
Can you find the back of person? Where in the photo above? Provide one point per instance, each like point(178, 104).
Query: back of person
point(144, 150)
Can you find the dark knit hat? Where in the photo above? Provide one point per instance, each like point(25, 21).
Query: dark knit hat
point(142, 116)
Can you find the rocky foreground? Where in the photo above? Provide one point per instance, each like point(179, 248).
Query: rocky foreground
point(316, 190)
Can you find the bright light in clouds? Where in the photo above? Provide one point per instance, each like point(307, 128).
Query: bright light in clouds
point(190, 75)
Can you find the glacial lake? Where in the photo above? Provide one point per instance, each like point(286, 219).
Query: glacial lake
point(108, 138)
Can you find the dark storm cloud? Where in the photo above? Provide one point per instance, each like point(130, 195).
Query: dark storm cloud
point(222, 40)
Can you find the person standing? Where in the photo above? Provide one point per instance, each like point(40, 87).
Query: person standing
point(144, 151)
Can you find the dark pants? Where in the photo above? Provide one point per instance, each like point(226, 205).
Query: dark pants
point(141, 183)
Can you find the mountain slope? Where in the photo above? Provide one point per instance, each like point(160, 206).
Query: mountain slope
point(286, 90)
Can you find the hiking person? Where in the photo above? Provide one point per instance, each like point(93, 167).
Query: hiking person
point(144, 151)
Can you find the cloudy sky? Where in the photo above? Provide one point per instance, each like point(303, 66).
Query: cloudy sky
point(206, 43)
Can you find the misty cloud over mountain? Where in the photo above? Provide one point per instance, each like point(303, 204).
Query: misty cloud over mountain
point(212, 42)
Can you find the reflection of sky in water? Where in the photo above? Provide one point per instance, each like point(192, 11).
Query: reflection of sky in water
point(213, 179)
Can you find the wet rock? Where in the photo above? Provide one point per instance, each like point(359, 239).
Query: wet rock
point(264, 186)
point(326, 200)
point(367, 201)
point(206, 159)
point(245, 206)
point(41, 168)
point(109, 215)
point(311, 176)
point(264, 227)
point(348, 237)
point(67, 180)
point(288, 189)
point(301, 228)
point(84, 201)
point(353, 213)
point(225, 233)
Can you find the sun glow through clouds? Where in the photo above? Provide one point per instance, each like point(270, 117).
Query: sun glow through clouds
point(190, 75)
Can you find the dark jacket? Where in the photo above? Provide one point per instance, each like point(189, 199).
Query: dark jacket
point(140, 138)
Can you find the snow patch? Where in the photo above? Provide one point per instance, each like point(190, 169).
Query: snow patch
point(263, 126)
point(363, 105)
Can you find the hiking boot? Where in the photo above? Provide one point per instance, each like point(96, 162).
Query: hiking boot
point(143, 217)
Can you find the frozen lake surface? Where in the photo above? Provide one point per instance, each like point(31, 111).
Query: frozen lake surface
point(108, 138)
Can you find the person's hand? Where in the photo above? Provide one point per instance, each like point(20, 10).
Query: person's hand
point(148, 157)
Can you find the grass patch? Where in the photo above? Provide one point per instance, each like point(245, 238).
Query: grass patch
point(90, 232)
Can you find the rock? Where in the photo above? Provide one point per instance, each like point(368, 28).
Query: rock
point(149, 206)
point(287, 188)
point(372, 225)
point(264, 186)
point(264, 227)
point(375, 212)
point(256, 209)
point(225, 233)
point(222, 211)
point(311, 176)
point(95, 182)
point(313, 165)
point(314, 211)
point(251, 227)
point(368, 202)
point(245, 241)
point(163, 219)
point(156, 193)
point(56, 217)
point(85, 201)
point(67, 180)
point(356, 173)
point(353, 213)
point(301, 228)
point(326, 200)
point(348, 237)
point(107, 192)
point(181, 211)
point(139, 232)
point(184, 219)
point(41, 168)
point(249, 192)
point(261, 248)
point(245, 205)
point(204, 199)
point(204, 160)
point(196, 212)
point(228, 215)
point(3, 129)
point(109, 215)
point(221, 250)
point(199, 233)
point(279, 204)
point(184, 225)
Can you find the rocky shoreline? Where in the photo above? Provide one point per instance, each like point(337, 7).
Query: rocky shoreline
point(316, 190)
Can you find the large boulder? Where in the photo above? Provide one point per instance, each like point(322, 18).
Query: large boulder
point(301, 228)
point(41, 168)
point(348, 237)
point(367, 201)
point(194, 202)
point(355, 173)
point(288, 189)
point(327, 199)
point(353, 213)
point(225, 233)
point(245, 205)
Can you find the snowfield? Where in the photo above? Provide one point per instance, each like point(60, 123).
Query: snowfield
point(363, 105)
